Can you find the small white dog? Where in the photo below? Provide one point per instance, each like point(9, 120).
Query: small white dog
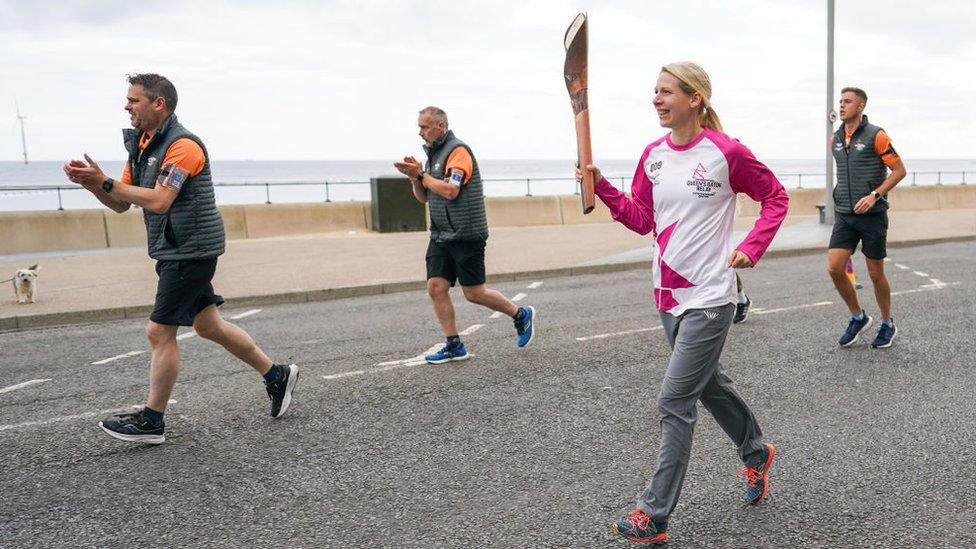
point(25, 284)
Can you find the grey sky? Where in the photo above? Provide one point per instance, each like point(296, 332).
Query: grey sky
point(338, 80)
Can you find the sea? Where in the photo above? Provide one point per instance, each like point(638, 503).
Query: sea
point(251, 182)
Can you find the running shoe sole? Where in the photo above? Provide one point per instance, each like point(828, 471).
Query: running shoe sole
point(655, 539)
point(534, 319)
point(861, 331)
point(289, 388)
point(890, 341)
point(452, 359)
point(148, 439)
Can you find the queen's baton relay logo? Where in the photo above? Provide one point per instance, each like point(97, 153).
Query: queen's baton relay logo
point(702, 185)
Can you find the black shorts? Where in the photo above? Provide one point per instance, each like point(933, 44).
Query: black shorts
point(871, 230)
point(184, 290)
point(464, 261)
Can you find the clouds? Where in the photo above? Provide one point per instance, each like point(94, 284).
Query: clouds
point(344, 79)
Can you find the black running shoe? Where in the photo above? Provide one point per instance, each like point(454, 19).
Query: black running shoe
point(741, 311)
point(134, 427)
point(280, 391)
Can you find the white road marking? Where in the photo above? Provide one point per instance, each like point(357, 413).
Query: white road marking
point(245, 314)
point(345, 374)
point(495, 314)
point(519, 296)
point(902, 267)
point(22, 385)
point(535, 285)
point(66, 418)
point(613, 334)
point(471, 329)
point(187, 335)
point(926, 288)
point(781, 309)
point(921, 274)
point(117, 357)
point(433, 348)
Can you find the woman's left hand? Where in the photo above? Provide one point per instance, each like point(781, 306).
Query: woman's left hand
point(739, 260)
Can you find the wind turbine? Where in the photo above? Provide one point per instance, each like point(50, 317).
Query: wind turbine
point(23, 136)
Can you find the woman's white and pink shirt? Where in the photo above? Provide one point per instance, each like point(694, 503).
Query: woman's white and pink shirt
point(685, 196)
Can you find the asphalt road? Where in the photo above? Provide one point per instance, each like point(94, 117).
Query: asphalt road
point(538, 447)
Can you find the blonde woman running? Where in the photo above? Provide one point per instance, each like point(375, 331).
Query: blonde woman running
point(684, 194)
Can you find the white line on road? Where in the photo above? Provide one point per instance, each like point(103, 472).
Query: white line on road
point(902, 267)
point(22, 385)
point(345, 374)
point(535, 285)
point(187, 335)
point(66, 418)
point(471, 329)
point(354, 373)
point(117, 357)
point(625, 332)
point(519, 296)
point(496, 314)
point(781, 309)
point(921, 274)
point(926, 288)
point(433, 348)
point(245, 314)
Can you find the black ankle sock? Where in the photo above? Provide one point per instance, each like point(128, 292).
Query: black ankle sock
point(453, 340)
point(152, 415)
point(273, 374)
point(519, 314)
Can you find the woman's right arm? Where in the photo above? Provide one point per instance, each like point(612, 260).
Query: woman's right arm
point(635, 213)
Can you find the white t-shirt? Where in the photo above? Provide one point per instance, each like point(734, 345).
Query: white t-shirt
point(685, 196)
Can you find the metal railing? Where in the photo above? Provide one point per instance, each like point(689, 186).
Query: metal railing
point(786, 178)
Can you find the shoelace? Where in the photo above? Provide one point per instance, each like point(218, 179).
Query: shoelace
point(751, 474)
point(638, 519)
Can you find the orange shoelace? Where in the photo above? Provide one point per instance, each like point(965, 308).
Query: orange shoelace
point(751, 474)
point(638, 519)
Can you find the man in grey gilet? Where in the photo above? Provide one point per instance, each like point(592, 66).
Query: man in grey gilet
point(450, 185)
point(864, 155)
point(168, 175)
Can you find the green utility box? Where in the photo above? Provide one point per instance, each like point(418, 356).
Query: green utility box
point(395, 208)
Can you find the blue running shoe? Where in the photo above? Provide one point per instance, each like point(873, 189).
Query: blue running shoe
point(886, 334)
point(854, 329)
point(524, 327)
point(757, 478)
point(639, 528)
point(448, 353)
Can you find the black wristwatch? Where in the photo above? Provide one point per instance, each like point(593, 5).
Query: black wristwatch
point(420, 178)
point(108, 184)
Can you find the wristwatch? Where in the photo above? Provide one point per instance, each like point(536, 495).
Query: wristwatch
point(876, 195)
point(108, 184)
point(420, 177)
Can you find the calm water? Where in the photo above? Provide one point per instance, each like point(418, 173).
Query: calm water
point(351, 179)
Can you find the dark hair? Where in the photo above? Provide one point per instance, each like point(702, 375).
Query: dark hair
point(856, 91)
point(155, 85)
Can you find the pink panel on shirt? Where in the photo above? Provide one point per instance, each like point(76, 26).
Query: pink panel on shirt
point(670, 279)
point(752, 177)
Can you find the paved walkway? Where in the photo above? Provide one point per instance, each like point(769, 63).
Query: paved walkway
point(109, 284)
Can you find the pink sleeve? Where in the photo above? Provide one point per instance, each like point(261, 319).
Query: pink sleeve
point(752, 177)
point(635, 213)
